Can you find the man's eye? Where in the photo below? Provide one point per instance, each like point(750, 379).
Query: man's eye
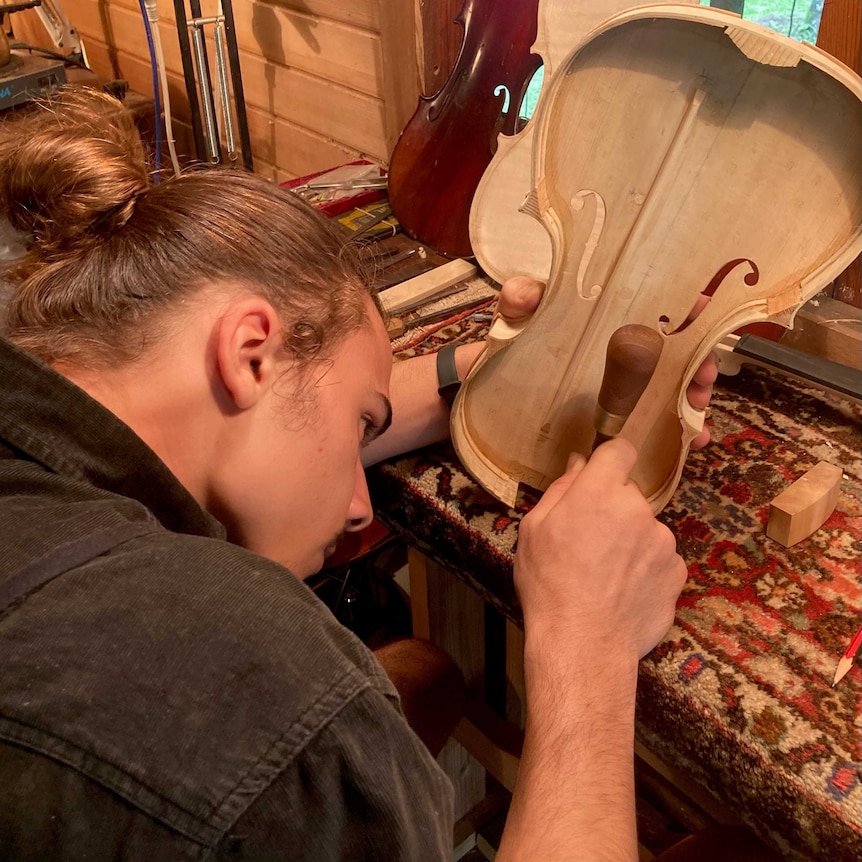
point(373, 424)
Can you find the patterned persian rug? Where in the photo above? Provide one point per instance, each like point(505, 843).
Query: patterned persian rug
point(739, 693)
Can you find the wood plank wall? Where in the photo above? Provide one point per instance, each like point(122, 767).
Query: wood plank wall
point(325, 81)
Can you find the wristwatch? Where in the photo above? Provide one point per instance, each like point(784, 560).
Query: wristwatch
point(448, 383)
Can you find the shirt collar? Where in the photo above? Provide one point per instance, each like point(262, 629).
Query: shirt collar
point(53, 422)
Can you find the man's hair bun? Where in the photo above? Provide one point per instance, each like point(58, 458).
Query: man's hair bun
point(71, 170)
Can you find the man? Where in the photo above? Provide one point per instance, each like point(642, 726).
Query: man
point(199, 360)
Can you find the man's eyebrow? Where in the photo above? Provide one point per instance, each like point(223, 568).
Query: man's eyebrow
point(374, 431)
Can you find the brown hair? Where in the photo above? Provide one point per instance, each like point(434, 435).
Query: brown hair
point(112, 253)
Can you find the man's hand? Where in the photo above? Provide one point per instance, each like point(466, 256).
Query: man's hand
point(598, 578)
point(593, 564)
point(520, 297)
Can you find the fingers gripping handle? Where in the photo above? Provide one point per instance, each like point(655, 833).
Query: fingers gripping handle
point(632, 356)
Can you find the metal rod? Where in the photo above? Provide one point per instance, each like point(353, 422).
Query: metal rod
point(369, 183)
point(189, 76)
point(200, 22)
point(210, 127)
point(213, 145)
point(224, 91)
point(236, 80)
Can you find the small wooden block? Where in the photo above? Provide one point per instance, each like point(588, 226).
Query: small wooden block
point(800, 510)
point(828, 328)
point(394, 328)
point(425, 286)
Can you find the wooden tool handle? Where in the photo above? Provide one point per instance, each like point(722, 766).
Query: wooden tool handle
point(632, 356)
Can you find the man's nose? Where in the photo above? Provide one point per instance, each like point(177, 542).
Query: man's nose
point(359, 513)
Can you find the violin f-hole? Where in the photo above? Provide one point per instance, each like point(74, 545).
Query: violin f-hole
point(502, 117)
point(592, 241)
point(750, 278)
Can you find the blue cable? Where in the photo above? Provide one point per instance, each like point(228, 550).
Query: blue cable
point(157, 101)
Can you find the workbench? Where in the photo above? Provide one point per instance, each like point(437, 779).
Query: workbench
point(736, 703)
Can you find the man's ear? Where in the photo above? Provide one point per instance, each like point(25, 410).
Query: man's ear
point(248, 344)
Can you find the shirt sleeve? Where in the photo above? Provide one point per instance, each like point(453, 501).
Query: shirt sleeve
point(365, 788)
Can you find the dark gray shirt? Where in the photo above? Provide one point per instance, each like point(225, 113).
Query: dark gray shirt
point(165, 695)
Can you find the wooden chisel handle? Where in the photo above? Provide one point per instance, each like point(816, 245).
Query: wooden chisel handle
point(632, 356)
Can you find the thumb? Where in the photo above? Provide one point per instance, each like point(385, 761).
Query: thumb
point(519, 297)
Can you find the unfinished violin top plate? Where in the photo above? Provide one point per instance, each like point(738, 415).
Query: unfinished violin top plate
point(505, 241)
point(676, 152)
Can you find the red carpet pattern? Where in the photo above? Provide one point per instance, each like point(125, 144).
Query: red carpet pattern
point(739, 693)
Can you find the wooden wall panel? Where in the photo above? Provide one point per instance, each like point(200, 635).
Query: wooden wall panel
point(119, 27)
point(330, 50)
point(278, 146)
point(399, 45)
point(359, 13)
point(292, 148)
point(310, 101)
point(346, 116)
point(344, 55)
point(325, 81)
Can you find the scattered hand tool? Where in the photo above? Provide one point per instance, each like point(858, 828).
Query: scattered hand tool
point(396, 325)
point(404, 255)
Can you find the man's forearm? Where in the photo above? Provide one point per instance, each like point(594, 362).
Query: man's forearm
point(419, 415)
point(574, 796)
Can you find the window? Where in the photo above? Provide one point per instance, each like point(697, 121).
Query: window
point(799, 19)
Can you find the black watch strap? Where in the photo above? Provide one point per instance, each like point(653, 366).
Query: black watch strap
point(448, 383)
